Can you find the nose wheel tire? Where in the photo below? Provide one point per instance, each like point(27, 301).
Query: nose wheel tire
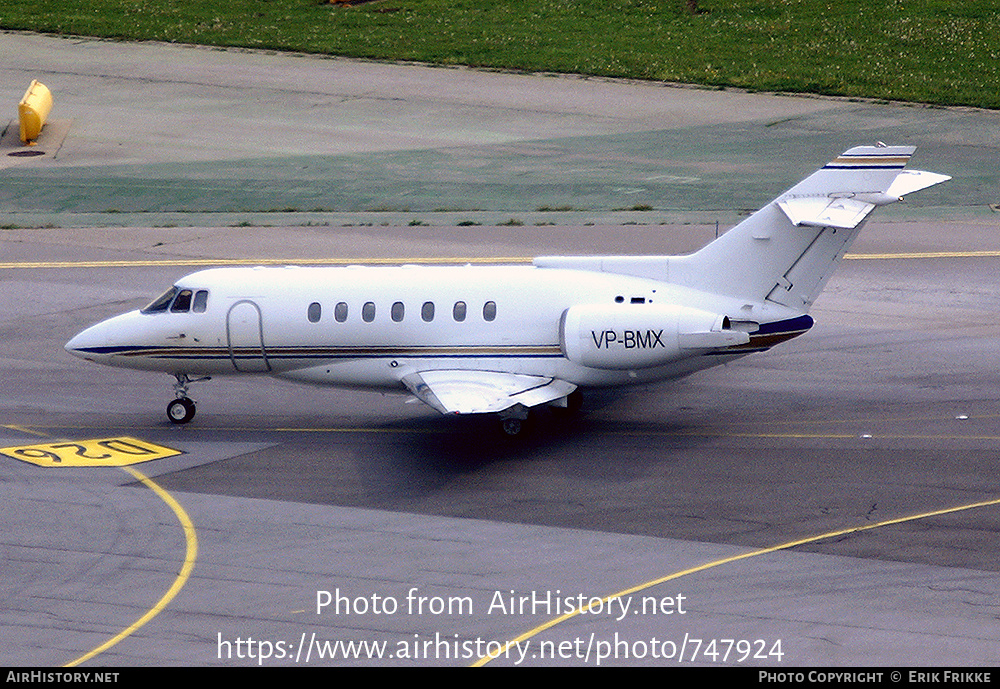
point(181, 410)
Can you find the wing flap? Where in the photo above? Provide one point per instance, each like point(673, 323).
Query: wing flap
point(481, 392)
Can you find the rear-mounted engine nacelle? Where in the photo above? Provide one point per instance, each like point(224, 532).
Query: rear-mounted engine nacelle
point(627, 336)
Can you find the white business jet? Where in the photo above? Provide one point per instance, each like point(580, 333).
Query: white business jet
point(507, 339)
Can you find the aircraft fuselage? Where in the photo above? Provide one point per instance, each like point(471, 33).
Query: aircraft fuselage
point(366, 327)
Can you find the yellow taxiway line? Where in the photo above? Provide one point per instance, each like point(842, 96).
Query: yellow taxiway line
point(925, 254)
point(726, 560)
point(190, 556)
point(642, 432)
point(222, 262)
point(190, 536)
point(167, 262)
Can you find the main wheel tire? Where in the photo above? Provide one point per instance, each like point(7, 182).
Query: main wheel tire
point(512, 427)
point(180, 411)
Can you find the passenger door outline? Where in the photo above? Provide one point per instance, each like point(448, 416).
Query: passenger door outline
point(245, 336)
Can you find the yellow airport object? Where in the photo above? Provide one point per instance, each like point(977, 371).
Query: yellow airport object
point(33, 110)
point(101, 452)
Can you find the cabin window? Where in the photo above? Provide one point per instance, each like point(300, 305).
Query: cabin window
point(459, 311)
point(397, 311)
point(427, 311)
point(200, 301)
point(315, 312)
point(489, 311)
point(368, 312)
point(182, 304)
point(340, 312)
point(162, 302)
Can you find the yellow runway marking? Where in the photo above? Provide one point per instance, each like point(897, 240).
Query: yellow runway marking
point(22, 429)
point(809, 436)
point(734, 558)
point(925, 254)
point(456, 260)
point(189, 559)
point(264, 429)
point(861, 434)
point(867, 421)
point(266, 261)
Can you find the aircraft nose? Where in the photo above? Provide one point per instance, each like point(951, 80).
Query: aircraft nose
point(86, 344)
point(107, 341)
point(98, 342)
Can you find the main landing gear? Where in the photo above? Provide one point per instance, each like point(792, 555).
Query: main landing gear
point(181, 410)
point(514, 419)
point(517, 419)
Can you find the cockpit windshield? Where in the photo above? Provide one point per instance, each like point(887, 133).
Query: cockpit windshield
point(162, 302)
point(179, 300)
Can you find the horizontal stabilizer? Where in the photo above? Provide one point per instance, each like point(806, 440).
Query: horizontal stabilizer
point(909, 181)
point(481, 392)
point(820, 211)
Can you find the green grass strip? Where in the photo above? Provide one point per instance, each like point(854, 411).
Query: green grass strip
point(929, 51)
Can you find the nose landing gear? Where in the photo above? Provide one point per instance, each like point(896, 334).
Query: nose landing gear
point(181, 410)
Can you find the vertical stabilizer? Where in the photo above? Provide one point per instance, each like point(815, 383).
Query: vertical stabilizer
point(786, 251)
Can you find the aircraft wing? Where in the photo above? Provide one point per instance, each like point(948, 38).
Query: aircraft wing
point(479, 392)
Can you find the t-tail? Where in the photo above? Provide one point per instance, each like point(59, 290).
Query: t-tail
point(785, 252)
